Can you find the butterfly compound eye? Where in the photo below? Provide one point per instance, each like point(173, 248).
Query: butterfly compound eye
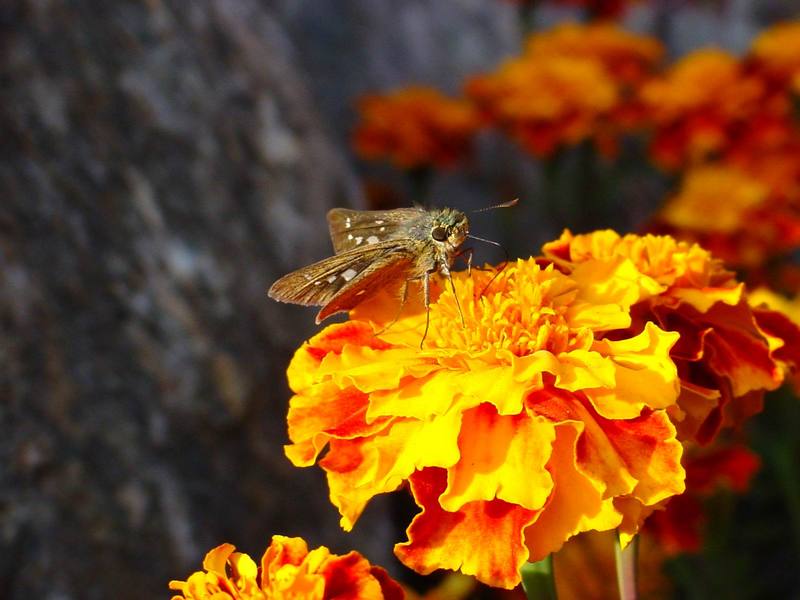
point(439, 234)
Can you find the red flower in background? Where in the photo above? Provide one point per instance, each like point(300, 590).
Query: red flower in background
point(415, 127)
point(679, 527)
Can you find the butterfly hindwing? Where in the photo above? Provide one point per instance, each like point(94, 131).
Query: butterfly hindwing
point(342, 281)
point(357, 228)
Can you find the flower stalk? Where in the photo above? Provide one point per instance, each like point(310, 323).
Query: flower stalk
point(626, 568)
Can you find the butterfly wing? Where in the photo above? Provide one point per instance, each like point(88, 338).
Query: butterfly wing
point(356, 228)
point(343, 281)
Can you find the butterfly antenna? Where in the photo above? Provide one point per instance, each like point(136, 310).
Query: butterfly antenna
point(503, 264)
point(508, 204)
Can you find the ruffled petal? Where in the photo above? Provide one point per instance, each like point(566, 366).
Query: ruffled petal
point(483, 539)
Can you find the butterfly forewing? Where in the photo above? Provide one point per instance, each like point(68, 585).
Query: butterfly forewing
point(358, 228)
point(342, 281)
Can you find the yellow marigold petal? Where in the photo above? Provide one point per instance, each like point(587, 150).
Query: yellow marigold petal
point(216, 559)
point(635, 456)
point(495, 450)
point(703, 299)
point(652, 454)
point(437, 393)
point(361, 469)
point(615, 282)
point(577, 502)
point(483, 539)
point(644, 374)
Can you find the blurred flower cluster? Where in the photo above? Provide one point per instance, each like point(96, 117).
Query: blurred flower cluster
point(726, 125)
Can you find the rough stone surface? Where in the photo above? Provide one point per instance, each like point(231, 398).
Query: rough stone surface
point(162, 164)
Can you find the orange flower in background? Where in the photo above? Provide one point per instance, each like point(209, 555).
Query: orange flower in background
point(415, 127)
point(725, 360)
point(545, 102)
point(775, 54)
point(287, 571)
point(516, 431)
point(626, 56)
point(699, 105)
point(715, 199)
point(740, 217)
point(679, 527)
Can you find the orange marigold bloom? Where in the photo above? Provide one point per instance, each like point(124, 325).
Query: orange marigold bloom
point(516, 431)
point(626, 56)
point(740, 217)
point(725, 360)
point(545, 102)
point(415, 127)
point(776, 54)
point(699, 105)
point(287, 570)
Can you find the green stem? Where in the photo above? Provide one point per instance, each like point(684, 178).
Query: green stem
point(626, 568)
point(538, 579)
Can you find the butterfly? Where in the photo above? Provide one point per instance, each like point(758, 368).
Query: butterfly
point(375, 250)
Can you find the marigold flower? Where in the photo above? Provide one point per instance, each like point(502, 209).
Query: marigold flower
point(699, 105)
point(776, 54)
point(626, 56)
point(518, 430)
point(725, 360)
point(546, 102)
point(740, 217)
point(415, 127)
point(287, 570)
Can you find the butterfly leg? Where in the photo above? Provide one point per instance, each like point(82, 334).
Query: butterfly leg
point(403, 298)
point(455, 297)
point(426, 289)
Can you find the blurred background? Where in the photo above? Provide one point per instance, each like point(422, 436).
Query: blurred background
point(163, 162)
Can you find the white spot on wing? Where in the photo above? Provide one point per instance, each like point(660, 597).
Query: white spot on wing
point(349, 274)
point(359, 239)
point(331, 278)
point(382, 229)
point(373, 239)
point(347, 223)
point(349, 236)
point(380, 222)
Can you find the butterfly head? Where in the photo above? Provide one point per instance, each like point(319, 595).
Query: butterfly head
point(449, 229)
